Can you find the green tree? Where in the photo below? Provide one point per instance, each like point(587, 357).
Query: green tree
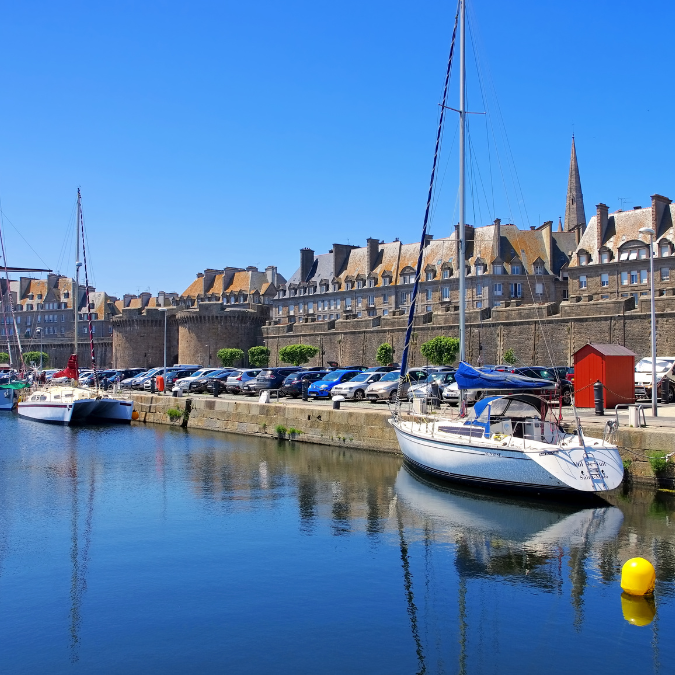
point(4, 357)
point(509, 357)
point(258, 356)
point(33, 358)
point(385, 354)
point(441, 351)
point(229, 356)
point(297, 354)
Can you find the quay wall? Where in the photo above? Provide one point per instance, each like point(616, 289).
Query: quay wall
point(364, 429)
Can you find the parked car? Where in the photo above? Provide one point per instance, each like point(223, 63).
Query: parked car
point(292, 385)
point(270, 378)
point(129, 382)
point(147, 382)
point(198, 385)
point(558, 374)
point(237, 380)
point(138, 382)
point(172, 377)
point(221, 377)
point(322, 388)
point(386, 389)
point(381, 369)
point(664, 371)
point(451, 394)
point(356, 387)
point(184, 382)
point(434, 385)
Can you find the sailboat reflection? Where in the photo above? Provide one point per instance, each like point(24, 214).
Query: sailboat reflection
point(518, 540)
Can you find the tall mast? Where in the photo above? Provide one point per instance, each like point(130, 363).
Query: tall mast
point(461, 233)
point(76, 287)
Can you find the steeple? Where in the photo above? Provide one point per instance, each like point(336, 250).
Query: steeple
point(574, 209)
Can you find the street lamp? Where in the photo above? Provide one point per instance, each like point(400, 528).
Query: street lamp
point(165, 310)
point(208, 347)
point(651, 233)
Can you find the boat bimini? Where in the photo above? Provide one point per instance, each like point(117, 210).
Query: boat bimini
point(509, 442)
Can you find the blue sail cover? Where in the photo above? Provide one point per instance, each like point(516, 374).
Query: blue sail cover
point(468, 377)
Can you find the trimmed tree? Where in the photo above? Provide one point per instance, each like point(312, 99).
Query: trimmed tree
point(229, 356)
point(258, 357)
point(441, 351)
point(33, 358)
point(4, 357)
point(385, 354)
point(297, 354)
point(509, 357)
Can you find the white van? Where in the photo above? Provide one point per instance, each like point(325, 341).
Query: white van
point(643, 377)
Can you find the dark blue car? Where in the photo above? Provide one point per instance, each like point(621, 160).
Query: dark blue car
point(321, 388)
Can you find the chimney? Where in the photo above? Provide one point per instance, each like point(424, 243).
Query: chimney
point(209, 278)
point(602, 218)
point(145, 298)
point(251, 268)
point(373, 250)
point(24, 285)
point(560, 225)
point(497, 240)
point(228, 276)
point(127, 298)
point(161, 299)
point(577, 233)
point(547, 234)
point(659, 205)
point(271, 274)
point(200, 275)
point(306, 262)
point(427, 239)
point(340, 256)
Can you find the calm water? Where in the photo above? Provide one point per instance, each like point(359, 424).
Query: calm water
point(154, 550)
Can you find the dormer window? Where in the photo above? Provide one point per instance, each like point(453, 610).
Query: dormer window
point(446, 274)
point(371, 283)
point(516, 269)
point(538, 268)
point(336, 288)
point(349, 285)
point(498, 269)
point(429, 276)
point(480, 269)
point(359, 284)
point(583, 259)
point(665, 250)
point(604, 257)
point(634, 250)
point(39, 296)
point(31, 296)
point(386, 281)
point(407, 279)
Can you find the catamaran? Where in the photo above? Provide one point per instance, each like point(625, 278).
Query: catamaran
point(512, 441)
point(70, 403)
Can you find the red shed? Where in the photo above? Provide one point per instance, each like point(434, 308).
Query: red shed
point(613, 365)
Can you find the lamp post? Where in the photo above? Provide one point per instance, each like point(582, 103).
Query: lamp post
point(165, 310)
point(208, 347)
point(39, 330)
point(651, 233)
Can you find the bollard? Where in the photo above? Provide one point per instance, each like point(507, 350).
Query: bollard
point(665, 391)
point(216, 388)
point(174, 392)
point(336, 402)
point(598, 395)
point(305, 389)
point(153, 389)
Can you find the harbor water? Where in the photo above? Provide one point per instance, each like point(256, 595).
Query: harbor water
point(153, 549)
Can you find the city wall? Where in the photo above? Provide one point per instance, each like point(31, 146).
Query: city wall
point(60, 351)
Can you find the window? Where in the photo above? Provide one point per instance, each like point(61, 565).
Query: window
point(445, 293)
point(280, 310)
point(498, 269)
point(634, 277)
point(429, 276)
point(604, 279)
point(18, 319)
point(480, 269)
point(566, 294)
point(337, 304)
point(632, 254)
point(335, 288)
point(604, 257)
point(407, 279)
point(427, 308)
point(39, 296)
point(63, 330)
point(359, 301)
point(604, 297)
point(386, 281)
point(300, 308)
point(359, 284)
point(429, 294)
point(371, 301)
point(479, 289)
point(642, 253)
point(479, 304)
point(515, 269)
point(446, 274)
point(291, 309)
point(385, 299)
point(348, 303)
point(350, 285)
point(516, 290)
point(624, 278)
point(358, 315)
point(643, 276)
point(665, 250)
point(66, 295)
point(29, 308)
point(539, 289)
point(538, 268)
point(385, 312)
point(310, 307)
point(39, 318)
point(371, 283)
point(372, 312)
point(582, 281)
point(498, 289)
point(583, 259)
point(404, 297)
point(665, 273)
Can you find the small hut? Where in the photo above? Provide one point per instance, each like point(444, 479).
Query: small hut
point(613, 365)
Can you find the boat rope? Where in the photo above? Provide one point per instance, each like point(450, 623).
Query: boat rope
point(418, 270)
point(86, 285)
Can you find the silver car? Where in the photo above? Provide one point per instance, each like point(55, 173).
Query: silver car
point(451, 394)
point(238, 379)
point(356, 388)
point(387, 388)
point(439, 379)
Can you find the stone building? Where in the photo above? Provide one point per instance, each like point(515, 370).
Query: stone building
point(45, 318)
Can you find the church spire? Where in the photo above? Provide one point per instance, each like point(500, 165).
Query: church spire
point(574, 209)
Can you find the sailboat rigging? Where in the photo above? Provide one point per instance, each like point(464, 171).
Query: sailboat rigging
point(507, 441)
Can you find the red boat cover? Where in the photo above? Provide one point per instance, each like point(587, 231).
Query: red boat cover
point(70, 370)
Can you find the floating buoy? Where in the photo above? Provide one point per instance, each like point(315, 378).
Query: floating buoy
point(135, 415)
point(639, 611)
point(638, 577)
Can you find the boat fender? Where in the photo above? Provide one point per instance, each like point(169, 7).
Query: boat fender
point(498, 437)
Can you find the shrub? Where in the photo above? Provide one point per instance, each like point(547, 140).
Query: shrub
point(292, 431)
point(4, 357)
point(509, 357)
point(33, 358)
point(258, 357)
point(229, 356)
point(297, 354)
point(174, 413)
point(658, 461)
point(441, 351)
point(281, 430)
point(385, 354)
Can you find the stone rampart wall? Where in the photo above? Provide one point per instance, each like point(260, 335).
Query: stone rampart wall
point(138, 340)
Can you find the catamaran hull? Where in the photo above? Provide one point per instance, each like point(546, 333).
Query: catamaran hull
point(84, 411)
point(503, 469)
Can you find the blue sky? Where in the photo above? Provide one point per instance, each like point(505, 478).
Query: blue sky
point(207, 134)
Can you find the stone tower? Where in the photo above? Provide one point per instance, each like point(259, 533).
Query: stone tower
point(574, 209)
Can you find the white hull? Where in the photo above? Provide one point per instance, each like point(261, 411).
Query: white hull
point(500, 463)
point(49, 406)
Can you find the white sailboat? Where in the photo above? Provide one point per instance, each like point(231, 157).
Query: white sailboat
point(506, 441)
point(72, 404)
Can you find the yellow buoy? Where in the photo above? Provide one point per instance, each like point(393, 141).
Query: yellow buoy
point(637, 610)
point(638, 577)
